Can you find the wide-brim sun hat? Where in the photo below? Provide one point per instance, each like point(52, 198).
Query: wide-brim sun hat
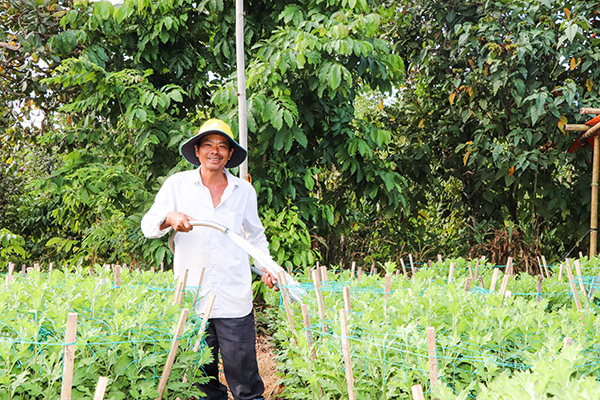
point(210, 127)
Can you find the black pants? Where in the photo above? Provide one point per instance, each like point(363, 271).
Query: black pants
point(236, 340)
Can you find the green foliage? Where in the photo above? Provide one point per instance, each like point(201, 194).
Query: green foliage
point(11, 245)
point(123, 333)
point(485, 342)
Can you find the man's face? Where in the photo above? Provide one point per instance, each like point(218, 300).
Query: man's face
point(214, 152)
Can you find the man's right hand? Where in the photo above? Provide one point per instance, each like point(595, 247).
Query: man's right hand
point(178, 221)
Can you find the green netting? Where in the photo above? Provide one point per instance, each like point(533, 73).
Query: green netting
point(124, 333)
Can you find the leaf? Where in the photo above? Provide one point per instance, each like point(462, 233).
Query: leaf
point(451, 97)
point(571, 31)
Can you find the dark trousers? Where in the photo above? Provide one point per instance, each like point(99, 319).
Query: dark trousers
point(235, 338)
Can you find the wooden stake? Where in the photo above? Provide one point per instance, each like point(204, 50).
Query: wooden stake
point(202, 327)
point(198, 288)
point(403, 266)
point(323, 273)
point(580, 278)
point(347, 305)
point(388, 285)
point(353, 269)
point(286, 300)
point(573, 286)
point(320, 302)
point(172, 352)
point(470, 271)
point(545, 267)
point(494, 279)
point(359, 274)
point(481, 281)
point(468, 284)
point(69, 356)
point(162, 266)
point(101, 388)
point(117, 274)
point(594, 210)
point(307, 326)
point(560, 272)
point(588, 110)
point(451, 272)
point(439, 257)
point(510, 270)
point(412, 265)
point(347, 356)
point(177, 295)
point(504, 285)
point(431, 350)
point(477, 270)
point(539, 287)
point(417, 392)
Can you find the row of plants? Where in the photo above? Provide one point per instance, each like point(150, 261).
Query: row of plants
point(123, 332)
point(487, 345)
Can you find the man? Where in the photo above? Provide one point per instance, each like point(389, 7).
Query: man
point(212, 194)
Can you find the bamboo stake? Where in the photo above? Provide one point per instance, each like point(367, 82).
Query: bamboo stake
point(468, 283)
point(403, 266)
point(417, 392)
point(539, 287)
point(580, 278)
point(353, 269)
point(162, 266)
point(560, 272)
point(198, 288)
point(431, 350)
point(451, 272)
point(470, 271)
point(347, 356)
point(172, 352)
point(439, 258)
point(320, 302)
point(477, 270)
point(388, 285)
point(286, 300)
point(546, 269)
point(117, 274)
point(177, 296)
point(306, 321)
point(202, 327)
point(101, 388)
point(573, 286)
point(360, 273)
point(180, 295)
point(481, 281)
point(494, 279)
point(504, 285)
point(592, 131)
point(412, 265)
point(69, 356)
point(509, 267)
point(323, 273)
point(347, 305)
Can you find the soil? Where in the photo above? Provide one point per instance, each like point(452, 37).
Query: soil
point(266, 366)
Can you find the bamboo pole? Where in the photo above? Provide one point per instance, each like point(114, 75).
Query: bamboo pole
point(323, 273)
point(202, 327)
point(172, 353)
point(592, 131)
point(403, 266)
point(545, 264)
point(307, 326)
point(359, 273)
point(573, 286)
point(347, 356)
point(539, 287)
point(353, 269)
point(594, 210)
point(286, 300)
point(101, 388)
point(241, 83)
point(176, 296)
point(576, 127)
point(470, 271)
point(504, 285)
point(431, 350)
point(412, 265)
point(69, 356)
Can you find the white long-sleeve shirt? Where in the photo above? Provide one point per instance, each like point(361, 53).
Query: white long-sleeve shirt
point(227, 267)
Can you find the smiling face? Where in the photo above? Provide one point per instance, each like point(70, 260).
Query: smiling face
point(213, 151)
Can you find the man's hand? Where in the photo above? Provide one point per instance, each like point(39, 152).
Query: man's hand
point(269, 280)
point(178, 221)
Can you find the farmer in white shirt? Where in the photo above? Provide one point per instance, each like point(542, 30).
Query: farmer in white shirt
point(212, 194)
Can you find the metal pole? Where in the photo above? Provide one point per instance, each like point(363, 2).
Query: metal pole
point(241, 78)
point(594, 215)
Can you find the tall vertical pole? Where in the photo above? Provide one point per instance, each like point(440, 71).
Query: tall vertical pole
point(241, 78)
point(594, 216)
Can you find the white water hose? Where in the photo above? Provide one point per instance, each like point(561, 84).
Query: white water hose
point(265, 260)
